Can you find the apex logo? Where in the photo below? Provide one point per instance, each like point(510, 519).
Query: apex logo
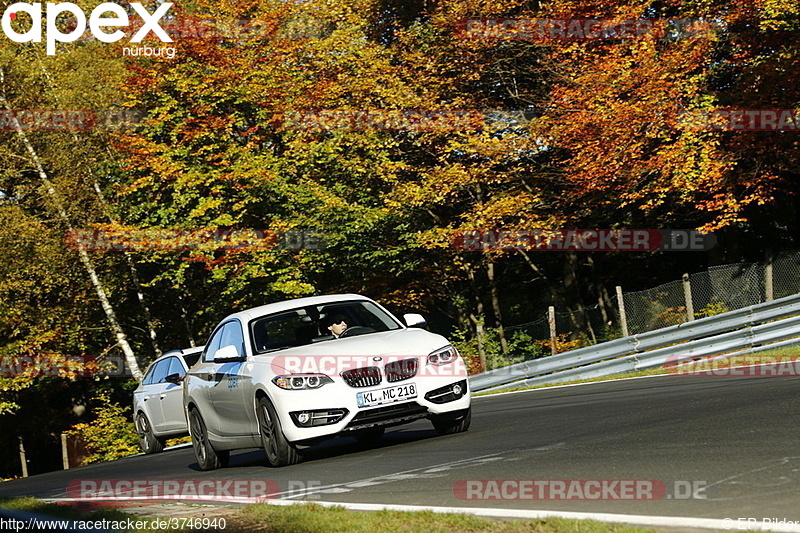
point(97, 21)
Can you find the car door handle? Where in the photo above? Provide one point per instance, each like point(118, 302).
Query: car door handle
point(163, 396)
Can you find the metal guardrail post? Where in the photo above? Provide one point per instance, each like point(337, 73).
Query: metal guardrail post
point(551, 321)
point(623, 318)
point(768, 289)
point(64, 452)
point(687, 293)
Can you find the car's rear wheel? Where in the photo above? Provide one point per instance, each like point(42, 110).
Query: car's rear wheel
point(207, 457)
point(148, 442)
point(448, 424)
point(280, 451)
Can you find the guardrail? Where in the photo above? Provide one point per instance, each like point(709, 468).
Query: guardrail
point(752, 329)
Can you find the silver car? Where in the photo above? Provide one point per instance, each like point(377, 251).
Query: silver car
point(158, 400)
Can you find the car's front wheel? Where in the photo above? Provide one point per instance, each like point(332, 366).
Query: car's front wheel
point(448, 424)
point(207, 457)
point(279, 451)
point(148, 442)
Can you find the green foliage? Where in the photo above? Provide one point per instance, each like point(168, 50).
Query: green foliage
point(111, 435)
point(313, 518)
point(521, 347)
point(713, 308)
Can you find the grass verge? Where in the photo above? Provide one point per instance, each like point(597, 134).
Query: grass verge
point(311, 518)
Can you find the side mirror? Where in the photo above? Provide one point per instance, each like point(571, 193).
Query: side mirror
point(174, 378)
point(227, 354)
point(413, 320)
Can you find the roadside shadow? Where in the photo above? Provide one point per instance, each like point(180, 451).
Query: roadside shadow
point(335, 447)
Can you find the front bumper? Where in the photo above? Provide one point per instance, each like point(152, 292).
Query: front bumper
point(335, 410)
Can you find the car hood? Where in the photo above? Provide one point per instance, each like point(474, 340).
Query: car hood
point(397, 343)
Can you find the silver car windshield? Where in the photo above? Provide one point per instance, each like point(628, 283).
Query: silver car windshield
point(311, 324)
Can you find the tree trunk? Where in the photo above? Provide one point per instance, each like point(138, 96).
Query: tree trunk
point(574, 299)
point(477, 321)
point(107, 212)
point(187, 323)
point(148, 317)
point(604, 302)
point(130, 357)
point(554, 296)
point(496, 305)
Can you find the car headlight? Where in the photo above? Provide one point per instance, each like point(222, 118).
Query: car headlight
point(443, 356)
point(301, 381)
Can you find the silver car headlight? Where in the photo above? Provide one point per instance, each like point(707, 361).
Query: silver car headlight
point(443, 356)
point(301, 381)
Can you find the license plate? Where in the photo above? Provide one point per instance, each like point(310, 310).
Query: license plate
point(388, 395)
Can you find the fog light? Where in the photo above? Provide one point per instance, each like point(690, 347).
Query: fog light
point(317, 417)
point(448, 393)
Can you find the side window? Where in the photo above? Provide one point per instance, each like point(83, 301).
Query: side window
point(160, 371)
point(175, 367)
point(191, 359)
point(232, 336)
point(213, 345)
point(148, 378)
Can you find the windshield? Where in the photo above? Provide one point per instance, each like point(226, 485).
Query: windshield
point(311, 324)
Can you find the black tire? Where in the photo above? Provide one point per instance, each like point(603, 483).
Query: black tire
point(207, 457)
point(370, 435)
point(279, 451)
point(448, 424)
point(148, 442)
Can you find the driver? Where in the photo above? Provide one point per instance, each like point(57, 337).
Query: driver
point(336, 325)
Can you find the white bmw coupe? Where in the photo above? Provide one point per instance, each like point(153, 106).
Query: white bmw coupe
point(287, 375)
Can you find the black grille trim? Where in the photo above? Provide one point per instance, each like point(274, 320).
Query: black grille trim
point(400, 370)
point(387, 416)
point(362, 377)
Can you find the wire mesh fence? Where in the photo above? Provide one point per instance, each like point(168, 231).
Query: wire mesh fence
point(786, 275)
point(718, 290)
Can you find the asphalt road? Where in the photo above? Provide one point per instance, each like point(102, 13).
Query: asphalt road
point(733, 439)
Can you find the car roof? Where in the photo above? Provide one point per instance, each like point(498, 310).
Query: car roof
point(183, 352)
point(249, 314)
